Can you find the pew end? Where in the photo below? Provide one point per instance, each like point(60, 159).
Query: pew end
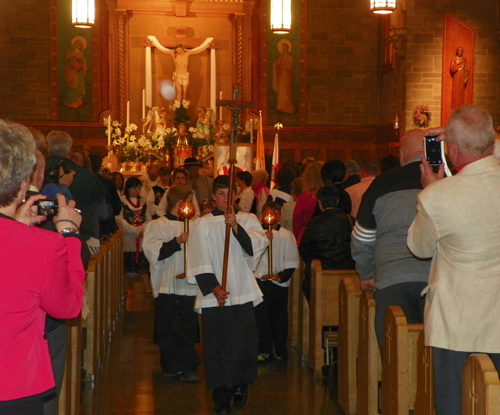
point(480, 386)
point(323, 310)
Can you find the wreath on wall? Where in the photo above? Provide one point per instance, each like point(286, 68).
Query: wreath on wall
point(422, 116)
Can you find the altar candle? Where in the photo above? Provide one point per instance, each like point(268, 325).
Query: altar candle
point(251, 130)
point(128, 113)
point(109, 130)
point(220, 106)
point(143, 103)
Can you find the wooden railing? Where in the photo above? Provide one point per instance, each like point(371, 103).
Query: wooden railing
point(104, 292)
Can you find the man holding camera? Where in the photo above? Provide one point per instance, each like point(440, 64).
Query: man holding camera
point(458, 225)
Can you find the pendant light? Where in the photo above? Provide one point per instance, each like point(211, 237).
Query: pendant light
point(382, 6)
point(281, 16)
point(83, 13)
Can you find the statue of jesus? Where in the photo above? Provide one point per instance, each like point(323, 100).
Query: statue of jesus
point(181, 59)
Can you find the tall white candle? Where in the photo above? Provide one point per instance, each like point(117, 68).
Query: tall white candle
point(128, 113)
point(109, 130)
point(251, 130)
point(220, 106)
point(143, 103)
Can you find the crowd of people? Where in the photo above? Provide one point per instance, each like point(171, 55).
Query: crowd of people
point(420, 240)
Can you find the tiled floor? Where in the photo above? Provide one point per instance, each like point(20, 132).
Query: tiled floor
point(132, 383)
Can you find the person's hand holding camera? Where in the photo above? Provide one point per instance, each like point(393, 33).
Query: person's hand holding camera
point(66, 177)
point(68, 219)
point(27, 212)
point(427, 174)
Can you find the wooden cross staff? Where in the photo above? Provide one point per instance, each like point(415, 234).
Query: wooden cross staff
point(236, 106)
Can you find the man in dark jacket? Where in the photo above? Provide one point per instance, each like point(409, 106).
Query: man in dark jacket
point(327, 237)
point(87, 190)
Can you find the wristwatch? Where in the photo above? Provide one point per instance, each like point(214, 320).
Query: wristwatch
point(66, 231)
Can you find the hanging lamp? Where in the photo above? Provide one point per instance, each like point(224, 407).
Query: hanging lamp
point(382, 6)
point(83, 13)
point(281, 16)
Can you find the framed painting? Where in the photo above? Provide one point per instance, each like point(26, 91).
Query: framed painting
point(244, 158)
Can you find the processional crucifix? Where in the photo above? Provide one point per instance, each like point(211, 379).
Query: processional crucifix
point(236, 106)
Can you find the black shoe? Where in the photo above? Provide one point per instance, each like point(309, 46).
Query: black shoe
point(189, 376)
point(222, 409)
point(240, 396)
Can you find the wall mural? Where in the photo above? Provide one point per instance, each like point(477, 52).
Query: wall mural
point(284, 74)
point(74, 68)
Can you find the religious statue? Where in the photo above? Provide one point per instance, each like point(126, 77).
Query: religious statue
point(75, 71)
point(459, 70)
point(283, 68)
point(204, 123)
point(181, 59)
point(155, 121)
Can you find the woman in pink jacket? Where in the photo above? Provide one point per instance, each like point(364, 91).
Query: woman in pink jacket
point(41, 272)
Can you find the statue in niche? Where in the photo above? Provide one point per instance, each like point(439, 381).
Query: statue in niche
point(181, 60)
point(75, 71)
point(283, 68)
point(459, 70)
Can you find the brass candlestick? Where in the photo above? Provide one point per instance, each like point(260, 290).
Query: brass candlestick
point(186, 212)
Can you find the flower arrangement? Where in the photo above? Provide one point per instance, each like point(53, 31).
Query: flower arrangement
point(180, 111)
point(127, 146)
point(422, 116)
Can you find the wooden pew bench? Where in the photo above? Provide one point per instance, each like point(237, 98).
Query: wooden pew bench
point(369, 371)
point(406, 367)
point(480, 387)
point(324, 310)
point(349, 295)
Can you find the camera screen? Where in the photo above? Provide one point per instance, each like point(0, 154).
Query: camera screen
point(433, 151)
point(47, 208)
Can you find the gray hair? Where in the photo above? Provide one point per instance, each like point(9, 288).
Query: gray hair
point(17, 158)
point(352, 166)
point(59, 143)
point(471, 129)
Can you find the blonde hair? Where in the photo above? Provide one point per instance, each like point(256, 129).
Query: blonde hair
point(262, 175)
point(311, 178)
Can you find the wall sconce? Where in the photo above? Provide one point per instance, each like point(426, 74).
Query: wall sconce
point(281, 16)
point(396, 121)
point(83, 13)
point(382, 6)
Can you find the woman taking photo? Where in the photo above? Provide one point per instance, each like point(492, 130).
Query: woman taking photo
point(42, 273)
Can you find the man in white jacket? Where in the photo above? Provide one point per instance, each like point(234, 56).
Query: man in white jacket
point(458, 225)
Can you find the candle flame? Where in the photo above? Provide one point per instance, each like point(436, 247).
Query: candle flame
point(186, 210)
point(269, 218)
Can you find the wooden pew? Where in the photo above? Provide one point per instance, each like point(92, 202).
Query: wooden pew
point(293, 308)
point(70, 395)
point(90, 353)
point(369, 364)
point(302, 318)
point(424, 401)
point(399, 363)
point(323, 310)
point(349, 295)
point(480, 386)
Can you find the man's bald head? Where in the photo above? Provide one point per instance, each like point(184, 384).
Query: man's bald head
point(411, 145)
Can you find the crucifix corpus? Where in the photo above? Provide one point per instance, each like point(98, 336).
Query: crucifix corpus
point(236, 106)
point(180, 56)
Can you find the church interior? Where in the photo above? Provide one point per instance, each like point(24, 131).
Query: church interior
point(342, 83)
point(357, 77)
